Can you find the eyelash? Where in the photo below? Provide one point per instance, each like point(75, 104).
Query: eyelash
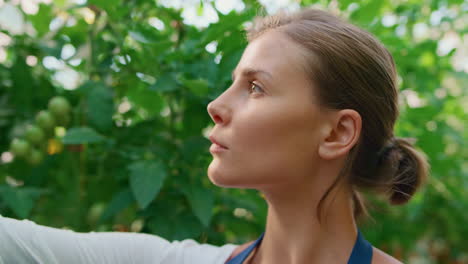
point(253, 84)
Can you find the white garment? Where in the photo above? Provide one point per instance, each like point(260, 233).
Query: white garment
point(24, 242)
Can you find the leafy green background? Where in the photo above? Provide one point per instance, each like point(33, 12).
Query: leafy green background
point(139, 77)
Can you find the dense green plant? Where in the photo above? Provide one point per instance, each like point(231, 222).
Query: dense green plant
point(128, 150)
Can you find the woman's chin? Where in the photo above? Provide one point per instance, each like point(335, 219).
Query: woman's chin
point(220, 178)
point(217, 178)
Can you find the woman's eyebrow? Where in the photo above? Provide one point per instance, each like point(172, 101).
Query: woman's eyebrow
point(251, 72)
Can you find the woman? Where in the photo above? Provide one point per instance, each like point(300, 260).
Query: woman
point(308, 121)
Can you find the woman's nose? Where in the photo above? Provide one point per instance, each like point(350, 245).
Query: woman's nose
point(218, 112)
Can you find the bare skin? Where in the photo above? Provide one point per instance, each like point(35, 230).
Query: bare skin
point(282, 142)
point(379, 257)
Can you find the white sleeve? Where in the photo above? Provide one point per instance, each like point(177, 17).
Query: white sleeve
point(26, 242)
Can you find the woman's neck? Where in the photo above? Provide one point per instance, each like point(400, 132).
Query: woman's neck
point(295, 235)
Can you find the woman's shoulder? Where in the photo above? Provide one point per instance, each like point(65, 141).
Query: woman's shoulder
point(380, 257)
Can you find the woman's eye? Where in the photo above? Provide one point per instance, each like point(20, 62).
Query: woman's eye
point(254, 86)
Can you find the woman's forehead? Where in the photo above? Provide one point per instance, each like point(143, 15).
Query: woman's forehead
point(272, 53)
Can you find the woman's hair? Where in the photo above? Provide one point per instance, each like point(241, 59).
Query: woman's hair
point(350, 69)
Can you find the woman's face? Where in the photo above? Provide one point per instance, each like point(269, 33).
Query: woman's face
point(268, 119)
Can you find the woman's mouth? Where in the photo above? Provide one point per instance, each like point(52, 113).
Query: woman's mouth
point(216, 147)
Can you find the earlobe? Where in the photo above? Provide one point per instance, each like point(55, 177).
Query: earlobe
point(343, 135)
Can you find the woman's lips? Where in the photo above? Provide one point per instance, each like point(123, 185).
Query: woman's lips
point(216, 147)
point(215, 141)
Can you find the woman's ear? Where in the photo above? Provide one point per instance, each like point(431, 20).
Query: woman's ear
point(343, 134)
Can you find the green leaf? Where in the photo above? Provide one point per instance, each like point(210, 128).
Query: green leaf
point(82, 135)
point(186, 226)
point(343, 4)
point(228, 64)
point(198, 86)
point(41, 20)
point(142, 96)
point(200, 9)
point(100, 107)
point(19, 200)
point(119, 202)
point(174, 223)
point(367, 11)
point(193, 146)
point(146, 180)
point(202, 202)
point(140, 37)
point(23, 83)
point(155, 40)
point(455, 2)
point(105, 4)
point(231, 21)
point(165, 83)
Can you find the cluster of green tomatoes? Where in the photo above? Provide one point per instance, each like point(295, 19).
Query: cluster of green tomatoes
point(33, 144)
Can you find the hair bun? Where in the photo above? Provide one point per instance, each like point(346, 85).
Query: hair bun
point(405, 169)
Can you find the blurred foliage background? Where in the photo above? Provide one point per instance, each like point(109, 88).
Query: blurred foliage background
point(123, 144)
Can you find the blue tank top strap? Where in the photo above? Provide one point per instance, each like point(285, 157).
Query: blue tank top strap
point(240, 258)
point(361, 254)
point(362, 251)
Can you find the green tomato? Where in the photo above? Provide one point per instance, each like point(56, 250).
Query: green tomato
point(59, 106)
point(35, 157)
point(34, 135)
point(20, 147)
point(45, 120)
